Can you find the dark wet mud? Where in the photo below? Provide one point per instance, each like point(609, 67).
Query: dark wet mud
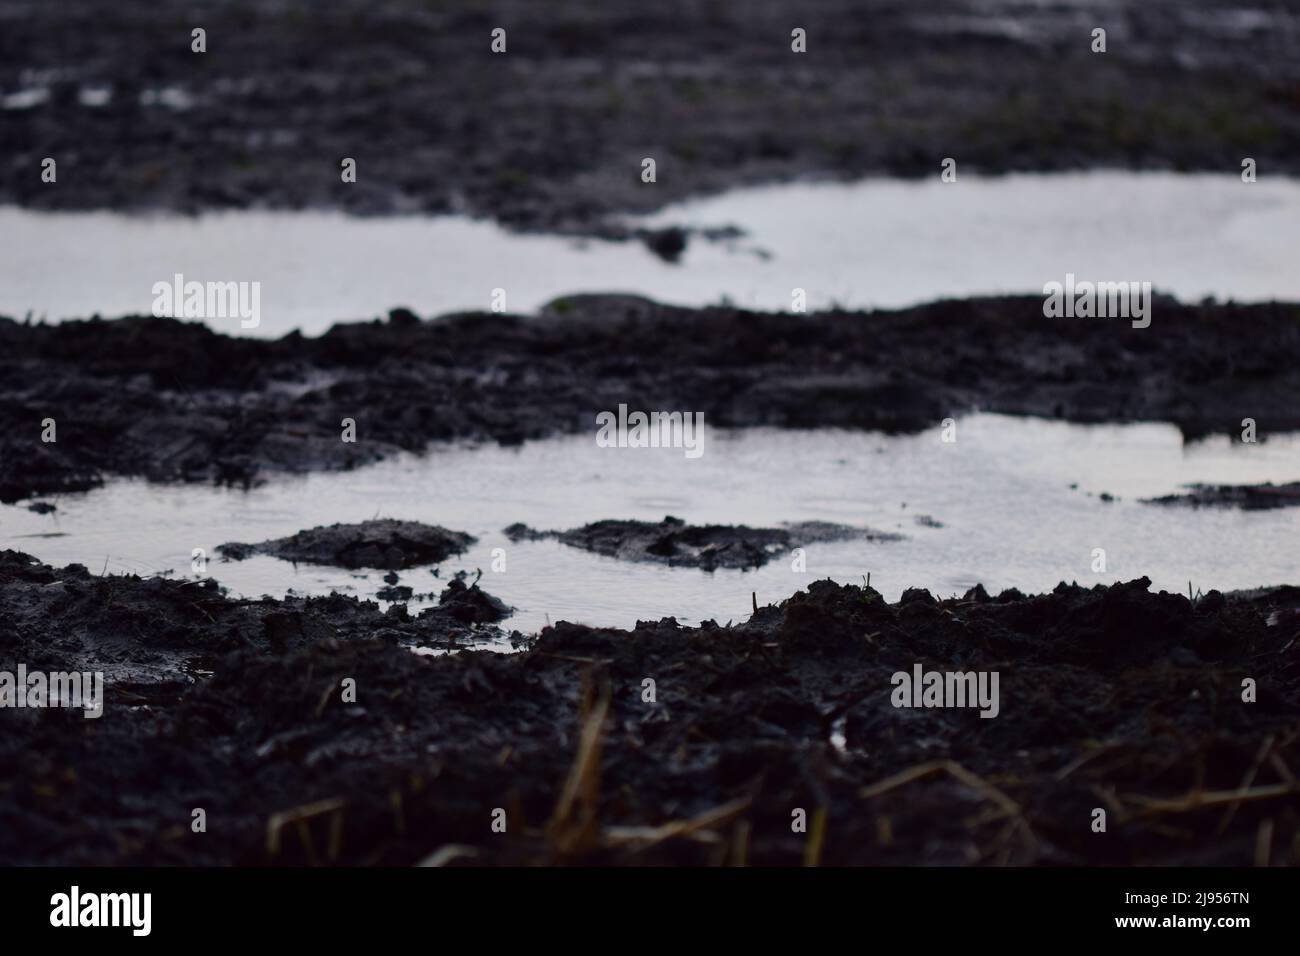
point(178, 402)
point(1109, 698)
point(327, 730)
point(1245, 497)
point(382, 543)
point(470, 604)
point(552, 133)
point(707, 547)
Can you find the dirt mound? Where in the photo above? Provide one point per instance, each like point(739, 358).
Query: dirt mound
point(384, 543)
point(470, 605)
point(708, 547)
point(679, 745)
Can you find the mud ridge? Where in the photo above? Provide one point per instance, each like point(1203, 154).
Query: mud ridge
point(173, 401)
point(383, 543)
point(707, 547)
point(1246, 497)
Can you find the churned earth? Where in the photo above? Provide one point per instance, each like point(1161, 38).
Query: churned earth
point(175, 401)
point(1110, 698)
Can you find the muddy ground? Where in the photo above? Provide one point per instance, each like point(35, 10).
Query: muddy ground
point(1111, 698)
point(551, 134)
point(178, 402)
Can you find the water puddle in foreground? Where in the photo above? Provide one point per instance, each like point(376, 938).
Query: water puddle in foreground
point(1001, 493)
point(875, 243)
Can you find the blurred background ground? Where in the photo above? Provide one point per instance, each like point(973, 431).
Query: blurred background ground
point(551, 134)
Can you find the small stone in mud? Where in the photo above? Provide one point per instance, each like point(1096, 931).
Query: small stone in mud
point(384, 543)
point(708, 547)
point(394, 593)
point(1246, 497)
point(668, 244)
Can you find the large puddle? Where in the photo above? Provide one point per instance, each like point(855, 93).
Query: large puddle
point(1002, 493)
point(996, 507)
point(877, 243)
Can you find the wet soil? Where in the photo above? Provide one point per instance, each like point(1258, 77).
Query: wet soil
point(173, 401)
point(1245, 497)
point(551, 134)
point(707, 547)
point(1110, 697)
point(383, 543)
point(156, 630)
point(470, 604)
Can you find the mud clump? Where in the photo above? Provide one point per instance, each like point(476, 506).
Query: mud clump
point(173, 401)
point(471, 605)
point(1246, 497)
point(236, 706)
point(385, 543)
point(708, 547)
point(668, 244)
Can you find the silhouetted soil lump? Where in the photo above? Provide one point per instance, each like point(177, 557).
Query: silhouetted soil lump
point(469, 604)
point(709, 547)
point(371, 544)
point(591, 85)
